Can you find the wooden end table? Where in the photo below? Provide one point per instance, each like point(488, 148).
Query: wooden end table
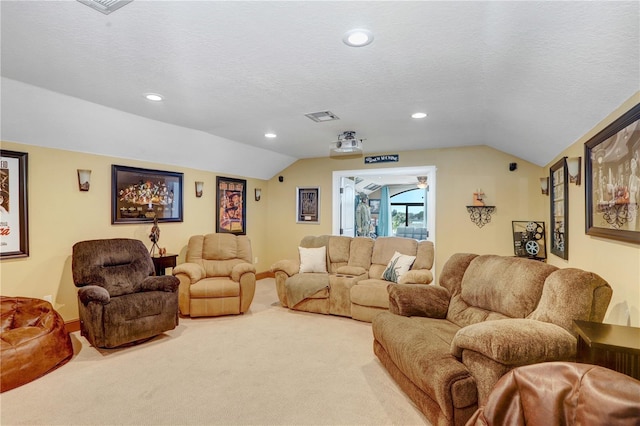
point(163, 262)
point(612, 346)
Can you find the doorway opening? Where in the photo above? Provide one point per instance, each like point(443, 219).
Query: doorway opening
point(348, 185)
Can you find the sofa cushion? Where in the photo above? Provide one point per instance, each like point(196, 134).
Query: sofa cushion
point(384, 249)
point(420, 348)
point(214, 287)
point(397, 266)
point(313, 259)
point(370, 292)
point(508, 285)
point(360, 252)
point(338, 252)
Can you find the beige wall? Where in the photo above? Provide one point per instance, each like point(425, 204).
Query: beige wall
point(60, 215)
point(616, 262)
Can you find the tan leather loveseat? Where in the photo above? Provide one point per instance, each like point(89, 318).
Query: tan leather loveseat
point(353, 284)
point(447, 345)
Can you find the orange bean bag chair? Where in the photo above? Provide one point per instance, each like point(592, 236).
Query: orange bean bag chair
point(33, 340)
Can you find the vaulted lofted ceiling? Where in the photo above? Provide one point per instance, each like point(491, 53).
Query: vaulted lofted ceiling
point(526, 78)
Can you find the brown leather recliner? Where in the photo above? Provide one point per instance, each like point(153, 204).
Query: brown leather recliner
point(218, 277)
point(33, 340)
point(561, 393)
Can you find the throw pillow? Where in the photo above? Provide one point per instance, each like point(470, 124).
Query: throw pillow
point(313, 259)
point(398, 265)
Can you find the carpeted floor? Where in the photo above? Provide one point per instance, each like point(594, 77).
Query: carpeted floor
point(271, 366)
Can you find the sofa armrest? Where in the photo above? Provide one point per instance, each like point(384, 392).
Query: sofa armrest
point(93, 293)
point(240, 269)
point(194, 271)
point(516, 342)
point(166, 283)
point(289, 267)
point(417, 276)
point(418, 300)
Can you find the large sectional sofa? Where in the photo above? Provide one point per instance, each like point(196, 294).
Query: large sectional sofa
point(447, 345)
point(353, 284)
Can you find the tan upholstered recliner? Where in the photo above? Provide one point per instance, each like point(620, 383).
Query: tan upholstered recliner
point(218, 277)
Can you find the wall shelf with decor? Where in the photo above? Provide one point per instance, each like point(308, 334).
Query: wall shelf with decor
point(480, 215)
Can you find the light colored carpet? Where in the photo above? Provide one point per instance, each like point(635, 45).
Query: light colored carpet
point(271, 366)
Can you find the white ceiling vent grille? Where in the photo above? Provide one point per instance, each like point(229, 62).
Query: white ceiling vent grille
point(322, 116)
point(105, 6)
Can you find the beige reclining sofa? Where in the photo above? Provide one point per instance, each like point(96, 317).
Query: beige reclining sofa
point(447, 345)
point(350, 282)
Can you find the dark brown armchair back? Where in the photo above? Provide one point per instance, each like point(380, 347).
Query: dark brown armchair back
point(118, 265)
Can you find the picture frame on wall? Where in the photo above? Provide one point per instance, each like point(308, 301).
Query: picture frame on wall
point(558, 191)
point(612, 180)
point(14, 217)
point(231, 213)
point(308, 205)
point(374, 205)
point(142, 195)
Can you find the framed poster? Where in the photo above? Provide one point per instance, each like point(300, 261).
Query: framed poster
point(612, 184)
point(230, 211)
point(374, 204)
point(558, 189)
point(308, 205)
point(14, 219)
point(141, 195)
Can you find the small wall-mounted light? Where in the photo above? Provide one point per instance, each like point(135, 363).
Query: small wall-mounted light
point(258, 193)
point(573, 167)
point(84, 179)
point(544, 185)
point(199, 186)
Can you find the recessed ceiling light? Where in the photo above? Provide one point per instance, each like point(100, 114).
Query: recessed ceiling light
point(418, 115)
point(153, 97)
point(270, 135)
point(357, 38)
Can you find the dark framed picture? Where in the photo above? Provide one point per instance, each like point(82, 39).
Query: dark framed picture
point(308, 205)
point(374, 204)
point(558, 191)
point(14, 218)
point(230, 211)
point(612, 183)
point(142, 195)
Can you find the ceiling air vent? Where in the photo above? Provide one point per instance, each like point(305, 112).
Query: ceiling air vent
point(105, 6)
point(322, 116)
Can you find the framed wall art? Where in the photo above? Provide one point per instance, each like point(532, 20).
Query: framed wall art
point(374, 204)
point(612, 184)
point(141, 195)
point(308, 205)
point(558, 190)
point(230, 210)
point(14, 218)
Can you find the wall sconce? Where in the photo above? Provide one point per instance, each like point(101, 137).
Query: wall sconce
point(544, 185)
point(199, 186)
point(84, 179)
point(573, 167)
point(258, 193)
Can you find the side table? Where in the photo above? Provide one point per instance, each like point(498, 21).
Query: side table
point(163, 262)
point(612, 346)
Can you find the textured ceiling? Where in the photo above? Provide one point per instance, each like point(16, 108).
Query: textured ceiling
point(527, 78)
